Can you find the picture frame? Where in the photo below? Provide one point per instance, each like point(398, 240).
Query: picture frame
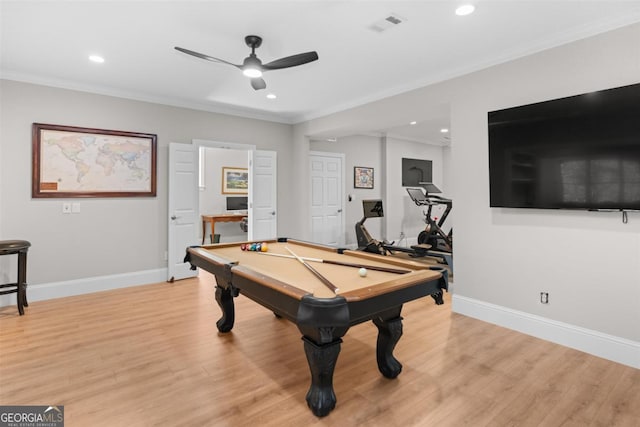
point(363, 177)
point(69, 161)
point(235, 180)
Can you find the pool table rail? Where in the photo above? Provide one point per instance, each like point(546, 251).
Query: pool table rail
point(224, 259)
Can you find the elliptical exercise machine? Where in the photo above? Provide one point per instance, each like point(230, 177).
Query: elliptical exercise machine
point(433, 234)
point(366, 243)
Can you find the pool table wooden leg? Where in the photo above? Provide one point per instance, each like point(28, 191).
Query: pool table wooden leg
point(322, 362)
point(224, 298)
point(323, 322)
point(389, 332)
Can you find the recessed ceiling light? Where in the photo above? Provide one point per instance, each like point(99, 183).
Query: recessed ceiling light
point(444, 130)
point(465, 9)
point(413, 123)
point(96, 58)
point(272, 96)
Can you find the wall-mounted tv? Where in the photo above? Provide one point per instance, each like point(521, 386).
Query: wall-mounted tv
point(579, 152)
point(416, 171)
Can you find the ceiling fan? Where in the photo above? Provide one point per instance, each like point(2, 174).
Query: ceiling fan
point(252, 66)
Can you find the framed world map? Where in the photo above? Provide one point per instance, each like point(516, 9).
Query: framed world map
point(82, 162)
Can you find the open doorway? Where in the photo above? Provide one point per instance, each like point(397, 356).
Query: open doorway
point(260, 186)
point(214, 159)
point(223, 194)
point(185, 217)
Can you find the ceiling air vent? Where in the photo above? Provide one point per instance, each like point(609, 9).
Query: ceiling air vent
point(384, 24)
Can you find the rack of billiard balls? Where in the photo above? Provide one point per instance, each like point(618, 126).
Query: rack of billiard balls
point(255, 247)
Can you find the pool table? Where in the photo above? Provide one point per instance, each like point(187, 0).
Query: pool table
point(284, 285)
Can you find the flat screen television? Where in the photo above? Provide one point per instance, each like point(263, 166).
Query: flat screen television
point(416, 171)
point(579, 152)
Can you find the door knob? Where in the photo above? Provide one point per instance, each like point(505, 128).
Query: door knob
point(273, 213)
point(173, 217)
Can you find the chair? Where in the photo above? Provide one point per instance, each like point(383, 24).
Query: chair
point(19, 247)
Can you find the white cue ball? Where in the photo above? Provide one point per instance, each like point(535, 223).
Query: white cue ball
point(362, 272)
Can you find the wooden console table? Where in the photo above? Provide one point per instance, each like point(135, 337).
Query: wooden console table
point(212, 219)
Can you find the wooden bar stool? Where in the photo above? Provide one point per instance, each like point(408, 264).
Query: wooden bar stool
point(19, 247)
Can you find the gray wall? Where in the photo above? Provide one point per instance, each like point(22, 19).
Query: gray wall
point(589, 262)
point(109, 236)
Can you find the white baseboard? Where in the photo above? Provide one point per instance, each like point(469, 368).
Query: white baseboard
point(609, 347)
point(87, 285)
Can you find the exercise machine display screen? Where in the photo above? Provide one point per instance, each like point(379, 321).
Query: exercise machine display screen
point(372, 208)
point(417, 195)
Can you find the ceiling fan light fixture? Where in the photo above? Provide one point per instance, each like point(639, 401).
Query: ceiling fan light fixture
point(252, 72)
point(252, 67)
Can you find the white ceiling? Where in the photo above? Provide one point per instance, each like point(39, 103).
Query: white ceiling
point(48, 42)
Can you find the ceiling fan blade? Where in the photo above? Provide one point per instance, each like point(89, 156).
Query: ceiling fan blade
point(291, 61)
point(205, 57)
point(258, 83)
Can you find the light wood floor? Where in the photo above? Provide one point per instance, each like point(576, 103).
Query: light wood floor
point(151, 355)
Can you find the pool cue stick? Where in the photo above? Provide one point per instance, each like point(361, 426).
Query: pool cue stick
point(368, 267)
point(314, 271)
point(346, 264)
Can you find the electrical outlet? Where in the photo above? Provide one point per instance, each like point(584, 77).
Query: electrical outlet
point(544, 297)
point(402, 235)
point(66, 208)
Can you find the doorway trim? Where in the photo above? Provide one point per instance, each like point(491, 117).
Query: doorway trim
point(220, 144)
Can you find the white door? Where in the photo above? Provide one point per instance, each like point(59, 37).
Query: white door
point(327, 217)
point(183, 208)
point(263, 218)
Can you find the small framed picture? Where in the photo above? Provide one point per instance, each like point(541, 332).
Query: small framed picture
point(235, 180)
point(362, 177)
